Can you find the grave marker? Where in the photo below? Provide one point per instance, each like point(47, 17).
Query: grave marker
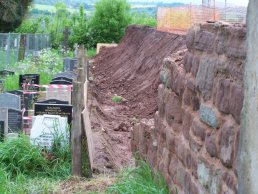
point(10, 101)
point(63, 78)
point(6, 73)
point(70, 75)
point(29, 79)
point(62, 110)
point(4, 119)
point(48, 127)
point(1, 86)
point(70, 64)
point(14, 120)
point(53, 101)
point(61, 82)
point(1, 130)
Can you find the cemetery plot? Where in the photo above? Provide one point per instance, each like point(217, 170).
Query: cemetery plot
point(29, 79)
point(4, 73)
point(48, 127)
point(70, 64)
point(60, 78)
point(10, 101)
point(12, 119)
point(62, 110)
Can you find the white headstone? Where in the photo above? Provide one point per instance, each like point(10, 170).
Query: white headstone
point(48, 127)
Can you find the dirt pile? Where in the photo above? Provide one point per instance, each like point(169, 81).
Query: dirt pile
point(130, 70)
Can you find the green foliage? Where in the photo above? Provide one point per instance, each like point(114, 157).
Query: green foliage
point(143, 19)
point(91, 53)
point(109, 20)
point(38, 25)
point(47, 65)
point(25, 168)
point(139, 180)
point(116, 99)
point(12, 13)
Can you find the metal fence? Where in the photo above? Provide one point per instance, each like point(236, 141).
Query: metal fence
point(13, 44)
point(180, 19)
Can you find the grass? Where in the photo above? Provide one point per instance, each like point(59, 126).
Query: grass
point(116, 99)
point(25, 168)
point(140, 180)
point(47, 65)
point(91, 53)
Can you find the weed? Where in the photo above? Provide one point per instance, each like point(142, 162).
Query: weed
point(139, 180)
point(116, 99)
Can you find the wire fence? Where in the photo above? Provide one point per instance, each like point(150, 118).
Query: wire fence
point(180, 19)
point(15, 46)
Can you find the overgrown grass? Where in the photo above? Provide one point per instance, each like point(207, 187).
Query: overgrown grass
point(140, 180)
point(25, 168)
point(47, 65)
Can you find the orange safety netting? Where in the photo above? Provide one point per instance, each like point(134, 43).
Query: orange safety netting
point(180, 19)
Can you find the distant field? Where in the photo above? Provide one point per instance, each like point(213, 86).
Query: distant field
point(51, 8)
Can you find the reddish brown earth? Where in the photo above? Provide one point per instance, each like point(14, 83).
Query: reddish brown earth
point(130, 70)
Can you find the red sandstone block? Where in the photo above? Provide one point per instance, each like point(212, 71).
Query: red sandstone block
point(222, 97)
point(187, 122)
point(236, 101)
point(228, 142)
point(212, 144)
point(173, 111)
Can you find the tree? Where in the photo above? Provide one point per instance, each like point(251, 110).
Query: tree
point(109, 20)
point(11, 13)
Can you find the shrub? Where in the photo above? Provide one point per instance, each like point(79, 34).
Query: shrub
point(109, 20)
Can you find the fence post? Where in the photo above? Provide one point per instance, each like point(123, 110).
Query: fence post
point(77, 129)
point(22, 45)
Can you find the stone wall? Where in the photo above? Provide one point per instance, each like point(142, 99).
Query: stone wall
point(193, 139)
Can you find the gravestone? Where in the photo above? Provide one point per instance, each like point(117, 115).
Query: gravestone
point(4, 119)
point(70, 64)
point(47, 128)
point(62, 110)
point(53, 101)
point(1, 130)
point(61, 82)
point(14, 120)
point(5, 72)
point(70, 75)
point(60, 78)
point(29, 79)
point(1, 86)
point(10, 101)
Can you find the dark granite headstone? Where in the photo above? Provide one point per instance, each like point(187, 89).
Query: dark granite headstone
point(62, 110)
point(1, 130)
point(10, 101)
point(29, 79)
point(14, 120)
point(6, 73)
point(61, 78)
point(1, 86)
point(53, 101)
point(70, 75)
point(61, 82)
point(70, 64)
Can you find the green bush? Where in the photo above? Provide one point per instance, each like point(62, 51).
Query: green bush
point(143, 19)
point(109, 20)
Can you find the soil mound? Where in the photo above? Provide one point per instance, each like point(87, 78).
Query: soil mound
point(130, 70)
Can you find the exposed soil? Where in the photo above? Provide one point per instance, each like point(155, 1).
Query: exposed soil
point(130, 70)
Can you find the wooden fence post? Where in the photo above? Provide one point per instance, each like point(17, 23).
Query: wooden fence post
point(77, 129)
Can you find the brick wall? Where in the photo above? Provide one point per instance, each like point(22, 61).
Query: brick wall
point(193, 139)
